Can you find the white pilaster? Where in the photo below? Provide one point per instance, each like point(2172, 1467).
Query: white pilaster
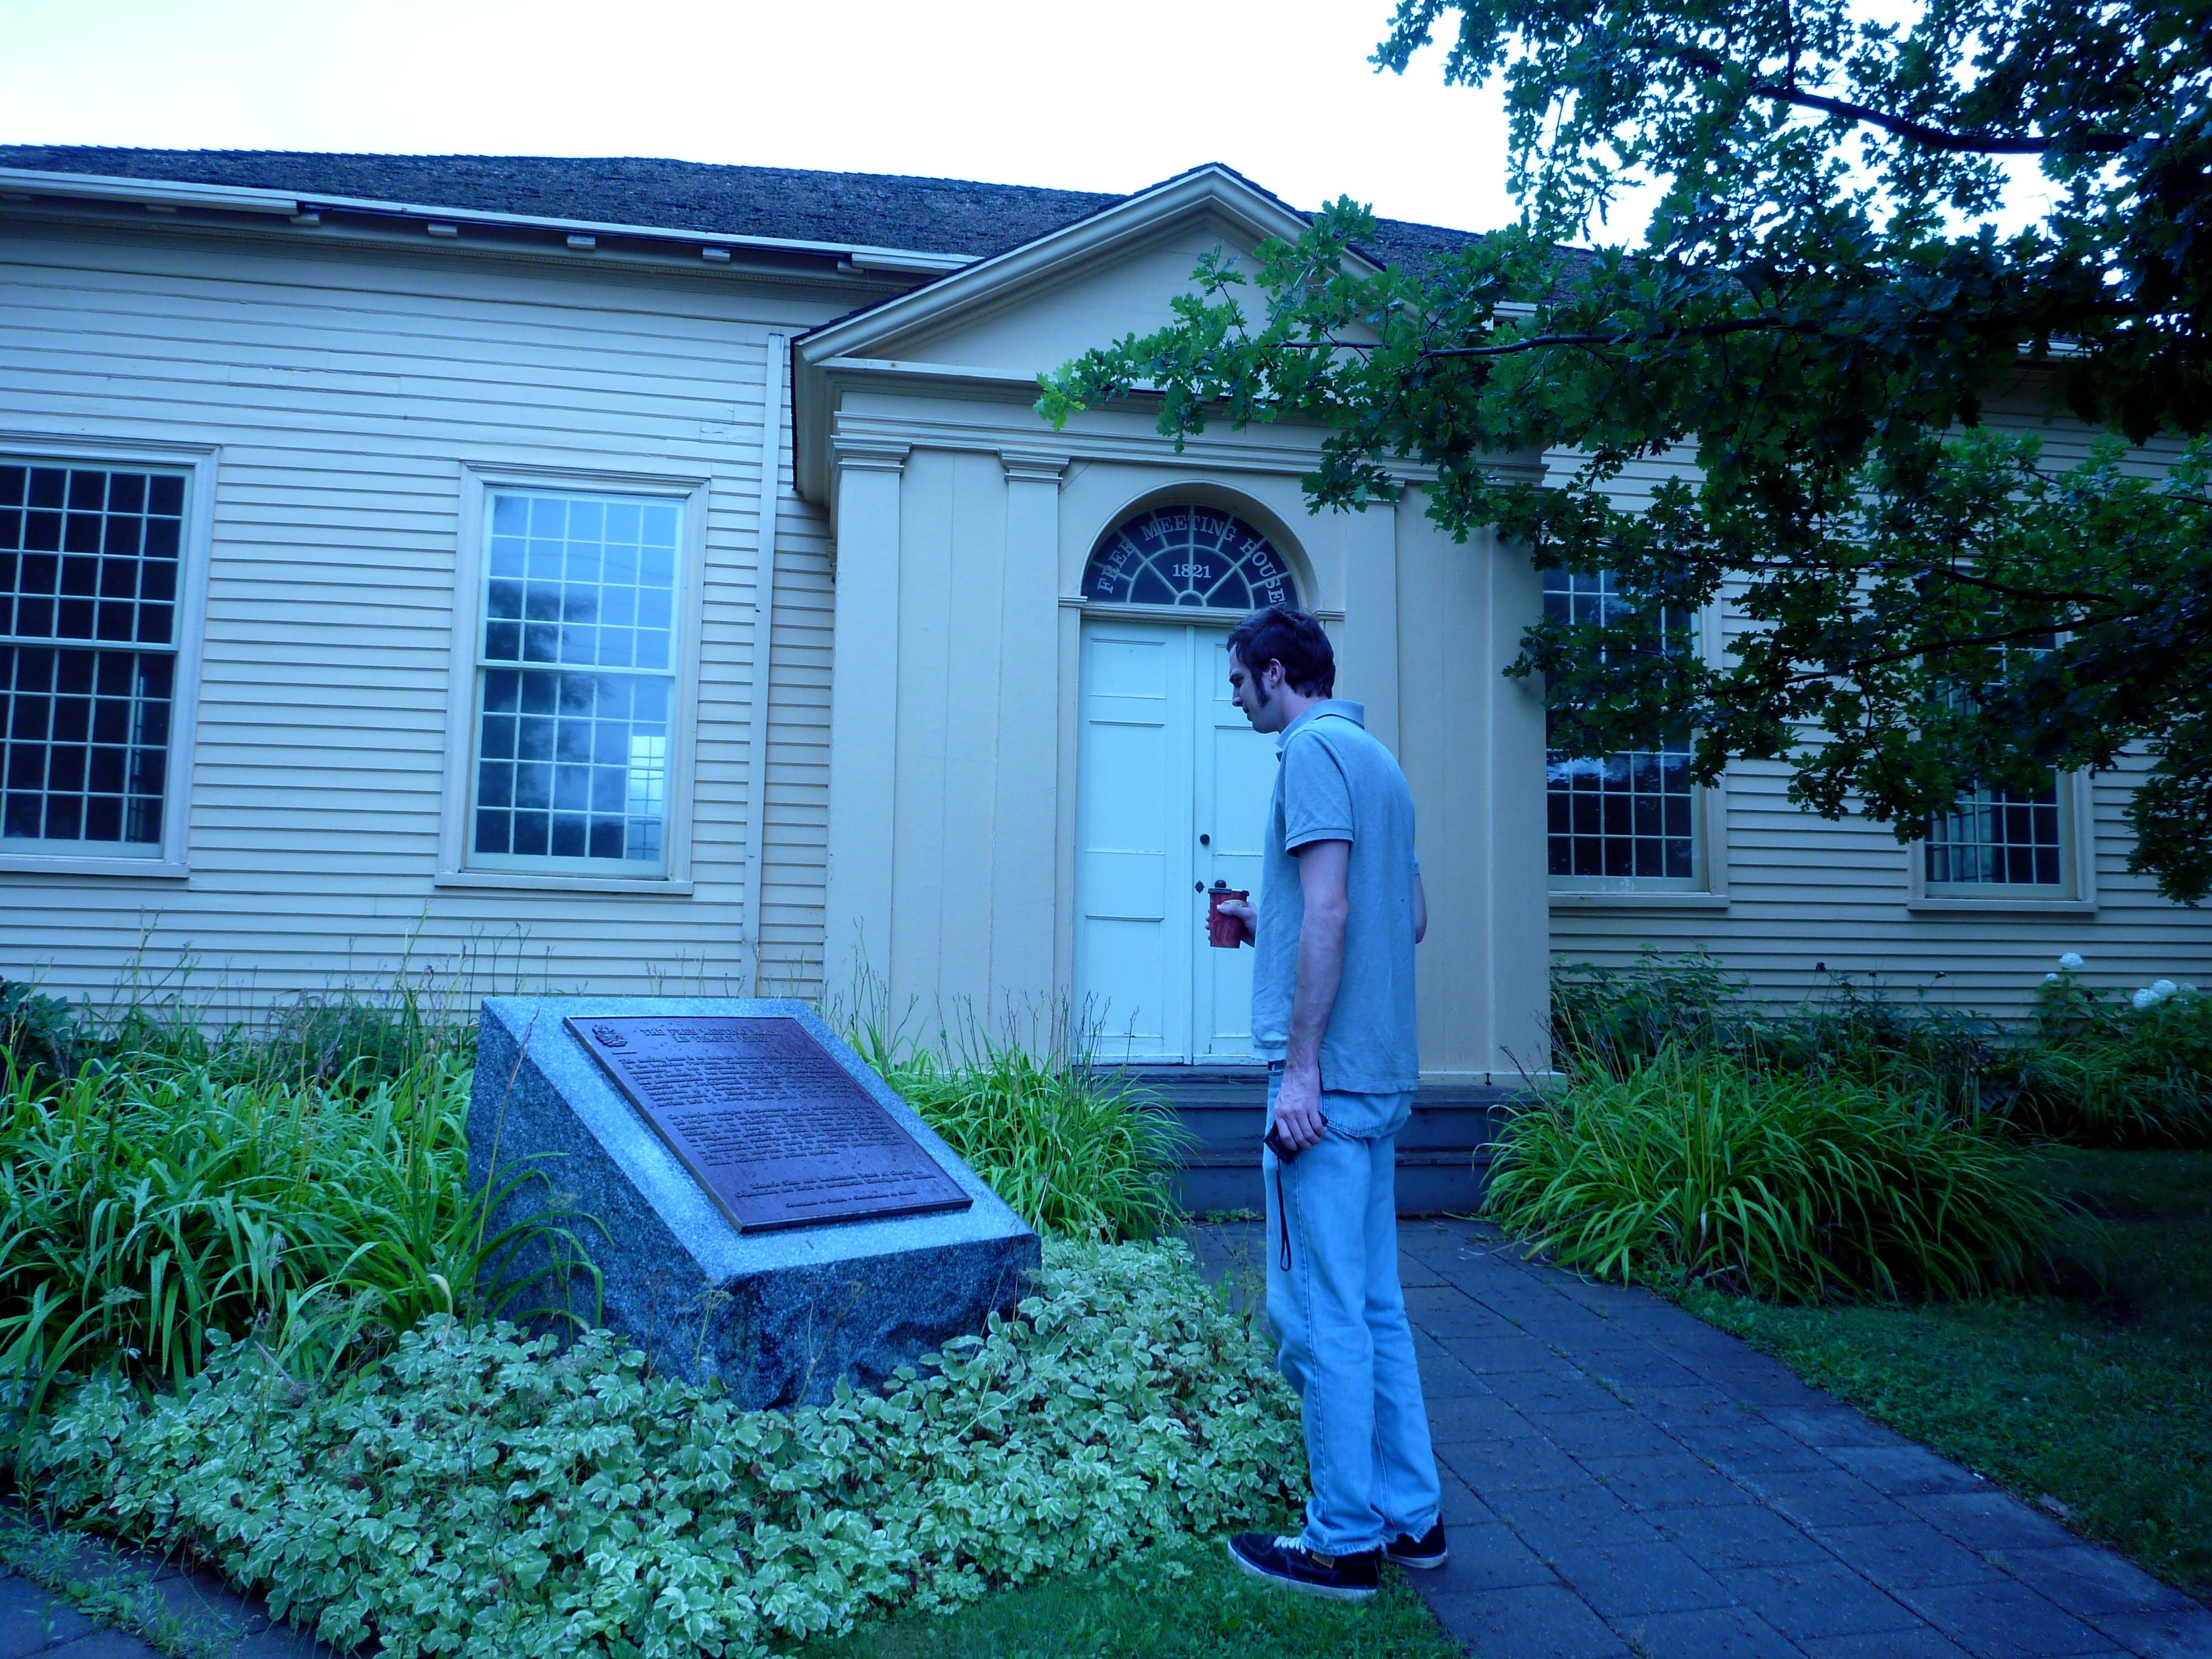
point(863, 726)
point(1024, 904)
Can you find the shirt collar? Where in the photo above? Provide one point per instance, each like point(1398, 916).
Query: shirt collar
point(1343, 708)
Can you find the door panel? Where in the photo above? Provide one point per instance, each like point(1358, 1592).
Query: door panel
point(1232, 784)
point(1166, 758)
point(1133, 854)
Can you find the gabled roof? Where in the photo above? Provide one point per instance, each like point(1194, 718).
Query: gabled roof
point(883, 210)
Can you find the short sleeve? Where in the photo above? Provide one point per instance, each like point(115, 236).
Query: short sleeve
point(1316, 798)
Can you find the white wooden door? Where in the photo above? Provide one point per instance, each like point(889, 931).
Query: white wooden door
point(1172, 789)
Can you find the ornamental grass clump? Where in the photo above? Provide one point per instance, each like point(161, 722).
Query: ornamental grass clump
point(155, 1203)
point(1075, 1151)
point(1794, 1187)
point(479, 1494)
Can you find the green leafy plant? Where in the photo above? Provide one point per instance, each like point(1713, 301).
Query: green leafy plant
point(37, 1032)
point(1794, 1187)
point(1076, 1151)
point(2107, 1072)
point(149, 1207)
point(480, 1494)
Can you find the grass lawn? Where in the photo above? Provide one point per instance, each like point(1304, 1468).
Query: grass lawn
point(1182, 1602)
point(2101, 1399)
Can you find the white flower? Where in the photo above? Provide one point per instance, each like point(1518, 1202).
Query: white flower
point(2146, 998)
point(2164, 988)
point(2070, 961)
point(2050, 979)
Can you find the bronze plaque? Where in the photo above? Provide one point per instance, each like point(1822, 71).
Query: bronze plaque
point(767, 1120)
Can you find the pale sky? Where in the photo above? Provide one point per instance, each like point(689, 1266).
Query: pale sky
point(1100, 96)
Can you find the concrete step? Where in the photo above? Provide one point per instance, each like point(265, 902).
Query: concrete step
point(1442, 1152)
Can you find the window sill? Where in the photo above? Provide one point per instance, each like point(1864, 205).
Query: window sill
point(1588, 899)
point(1946, 905)
point(64, 863)
point(521, 881)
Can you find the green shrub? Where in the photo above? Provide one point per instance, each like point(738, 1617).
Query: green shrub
point(2091, 1067)
point(481, 1495)
point(1797, 1188)
point(1075, 1151)
point(37, 1032)
point(2109, 1072)
point(148, 1208)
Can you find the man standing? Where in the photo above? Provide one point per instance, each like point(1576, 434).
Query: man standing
point(1340, 910)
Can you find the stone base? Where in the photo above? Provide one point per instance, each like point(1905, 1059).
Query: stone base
point(780, 1317)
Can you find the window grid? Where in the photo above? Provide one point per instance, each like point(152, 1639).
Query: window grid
point(1998, 838)
point(572, 760)
point(89, 554)
point(1629, 815)
point(1191, 557)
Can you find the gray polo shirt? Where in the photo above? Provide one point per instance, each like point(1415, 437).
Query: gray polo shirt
point(1335, 782)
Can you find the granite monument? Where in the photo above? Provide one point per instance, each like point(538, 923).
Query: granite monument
point(772, 1213)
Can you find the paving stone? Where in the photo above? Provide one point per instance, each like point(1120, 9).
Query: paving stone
point(2181, 1635)
point(1620, 1432)
point(1586, 1517)
point(103, 1645)
point(1668, 1481)
point(1747, 1444)
point(1506, 1355)
point(1461, 1508)
point(1908, 1554)
point(1555, 1391)
point(1484, 1416)
point(1708, 1633)
point(1740, 1535)
point(1444, 1311)
point(1620, 1580)
point(1807, 1599)
point(1828, 1498)
point(1988, 1520)
point(1829, 1425)
point(1414, 1275)
point(1544, 1621)
point(1493, 1468)
point(32, 1620)
point(1444, 1379)
point(1922, 1643)
point(2005, 1621)
point(2090, 1581)
point(1904, 1471)
point(1486, 1555)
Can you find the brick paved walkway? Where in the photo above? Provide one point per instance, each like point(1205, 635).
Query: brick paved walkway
point(32, 1621)
point(1622, 1478)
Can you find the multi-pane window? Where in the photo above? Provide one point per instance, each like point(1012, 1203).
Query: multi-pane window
point(576, 679)
point(1629, 815)
point(1998, 838)
point(89, 562)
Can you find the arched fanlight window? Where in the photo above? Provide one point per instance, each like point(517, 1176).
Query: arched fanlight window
point(1198, 557)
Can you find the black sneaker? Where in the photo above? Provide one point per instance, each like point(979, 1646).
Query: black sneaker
point(1420, 1554)
point(1287, 1562)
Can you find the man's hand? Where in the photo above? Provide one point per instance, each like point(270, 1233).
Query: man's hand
point(1248, 918)
point(1297, 1108)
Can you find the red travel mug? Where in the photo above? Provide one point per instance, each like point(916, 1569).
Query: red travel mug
point(1224, 933)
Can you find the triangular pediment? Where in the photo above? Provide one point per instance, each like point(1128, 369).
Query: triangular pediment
point(1008, 317)
point(1032, 307)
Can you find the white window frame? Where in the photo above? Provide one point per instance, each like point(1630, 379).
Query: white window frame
point(477, 481)
point(170, 859)
point(2076, 895)
point(1707, 887)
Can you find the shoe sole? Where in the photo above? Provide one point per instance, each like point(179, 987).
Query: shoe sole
point(1328, 1592)
point(1417, 1563)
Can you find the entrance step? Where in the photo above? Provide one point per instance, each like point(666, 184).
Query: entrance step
point(1443, 1154)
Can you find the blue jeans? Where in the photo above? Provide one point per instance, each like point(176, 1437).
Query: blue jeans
point(1341, 1315)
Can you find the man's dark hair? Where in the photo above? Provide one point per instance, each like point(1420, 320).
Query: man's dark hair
point(1292, 638)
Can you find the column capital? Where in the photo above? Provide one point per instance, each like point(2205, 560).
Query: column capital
point(869, 454)
point(1033, 466)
